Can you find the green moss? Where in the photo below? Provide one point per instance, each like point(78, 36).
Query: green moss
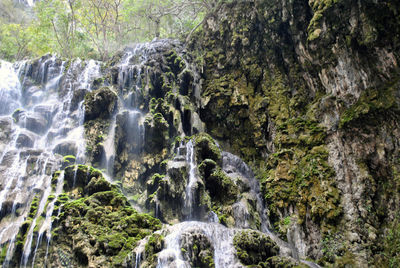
point(319, 7)
point(69, 159)
point(3, 253)
point(371, 101)
point(283, 262)
point(303, 177)
point(206, 148)
point(389, 256)
point(115, 241)
point(154, 183)
point(34, 207)
point(253, 247)
point(154, 245)
point(221, 187)
point(39, 222)
point(175, 62)
point(104, 219)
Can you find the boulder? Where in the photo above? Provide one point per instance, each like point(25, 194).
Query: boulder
point(100, 103)
point(65, 148)
point(46, 110)
point(33, 94)
point(254, 247)
point(78, 96)
point(34, 122)
point(197, 249)
point(26, 139)
point(5, 128)
point(156, 129)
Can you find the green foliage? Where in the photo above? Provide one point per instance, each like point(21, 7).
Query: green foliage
point(92, 28)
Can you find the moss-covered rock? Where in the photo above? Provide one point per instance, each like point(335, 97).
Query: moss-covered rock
point(372, 101)
point(196, 248)
point(254, 248)
point(99, 228)
point(206, 148)
point(221, 187)
point(154, 245)
point(284, 262)
point(156, 128)
point(100, 103)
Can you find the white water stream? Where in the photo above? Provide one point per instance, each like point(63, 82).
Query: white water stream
point(192, 179)
point(39, 122)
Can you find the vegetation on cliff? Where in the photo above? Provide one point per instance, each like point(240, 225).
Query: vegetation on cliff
point(305, 92)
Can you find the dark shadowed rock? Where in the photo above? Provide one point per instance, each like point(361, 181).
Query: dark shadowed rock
point(100, 103)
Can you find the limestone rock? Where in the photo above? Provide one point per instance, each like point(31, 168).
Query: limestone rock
point(100, 103)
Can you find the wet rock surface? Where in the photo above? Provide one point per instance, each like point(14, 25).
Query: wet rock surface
point(270, 138)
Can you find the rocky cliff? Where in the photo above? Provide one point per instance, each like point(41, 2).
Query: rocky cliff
point(308, 93)
point(268, 140)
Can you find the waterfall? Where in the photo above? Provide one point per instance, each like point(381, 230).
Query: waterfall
point(42, 115)
point(192, 179)
point(29, 237)
point(41, 122)
point(220, 237)
point(109, 149)
point(128, 81)
point(47, 223)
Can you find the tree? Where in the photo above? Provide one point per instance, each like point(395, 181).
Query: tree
point(73, 28)
point(15, 41)
point(101, 21)
point(15, 29)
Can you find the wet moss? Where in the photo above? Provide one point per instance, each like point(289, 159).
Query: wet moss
point(33, 207)
point(206, 148)
point(221, 187)
point(69, 159)
point(153, 246)
point(100, 103)
point(175, 62)
point(54, 179)
point(157, 135)
point(101, 221)
point(254, 248)
point(154, 183)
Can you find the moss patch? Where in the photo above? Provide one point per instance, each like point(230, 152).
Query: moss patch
point(101, 223)
point(254, 248)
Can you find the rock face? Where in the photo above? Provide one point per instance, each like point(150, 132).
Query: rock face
point(254, 248)
point(313, 96)
point(270, 138)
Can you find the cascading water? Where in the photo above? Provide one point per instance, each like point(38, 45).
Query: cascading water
point(129, 82)
point(192, 179)
point(41, 120)
point(109, 149)
point(220, 237)
point(46, 225)
point(40, 125)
